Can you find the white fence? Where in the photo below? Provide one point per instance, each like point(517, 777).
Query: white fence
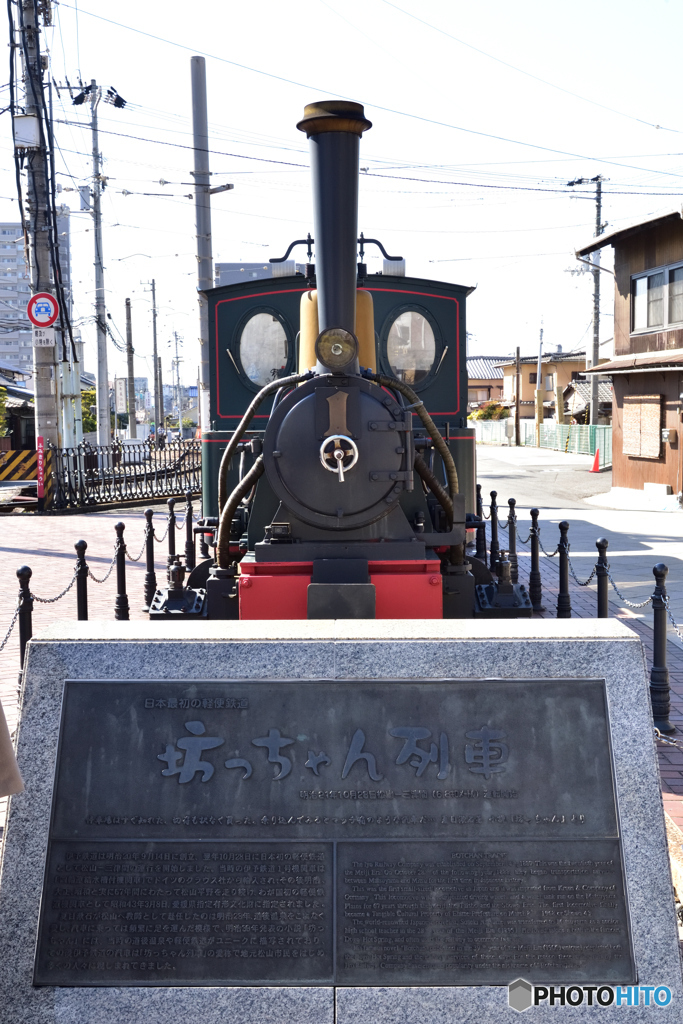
point(574, 438)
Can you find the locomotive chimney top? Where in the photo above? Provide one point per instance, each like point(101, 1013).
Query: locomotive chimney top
point(334, 116)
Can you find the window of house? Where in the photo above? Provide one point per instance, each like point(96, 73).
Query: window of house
point(478, 395)
point(657, 299)
point(550, 382)
point(641, 430)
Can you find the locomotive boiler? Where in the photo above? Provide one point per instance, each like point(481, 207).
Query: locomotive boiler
point(338, 468)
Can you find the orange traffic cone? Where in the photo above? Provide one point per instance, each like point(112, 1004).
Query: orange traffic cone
point(596, 462)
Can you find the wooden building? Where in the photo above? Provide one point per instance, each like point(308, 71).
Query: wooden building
point(647, 368)
point(484, 380)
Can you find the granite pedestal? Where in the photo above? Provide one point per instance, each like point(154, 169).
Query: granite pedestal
point(334, 651)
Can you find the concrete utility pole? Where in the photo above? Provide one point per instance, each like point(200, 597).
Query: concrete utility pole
point(599, 228)
point(103, 413)
point(158, 398)
point(539, 392)
point(160, 389)
point(46, 384)
point(518, 386)
point(202, 204)
point(132, 422)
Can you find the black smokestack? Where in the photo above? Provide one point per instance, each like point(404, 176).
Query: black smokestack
point(334, 128)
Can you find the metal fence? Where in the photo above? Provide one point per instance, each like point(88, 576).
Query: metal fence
point(575, 438)
point(98, 474)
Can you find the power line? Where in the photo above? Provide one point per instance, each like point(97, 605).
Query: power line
point(376, 106)
point(521, 71)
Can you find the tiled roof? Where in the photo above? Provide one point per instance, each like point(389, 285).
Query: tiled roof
point(582, 390)
point(484, 368)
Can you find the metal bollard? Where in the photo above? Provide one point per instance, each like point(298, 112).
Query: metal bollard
point(25, 611)
point(494, 553)
point(564, 601)
point(81, 581)
point(660, 698)
point(150, 575)
point(190, 557)
point(535, 589)
point(171, 532)
point(121, 603)
point(480, 550)
point(203, 546)
point(480, 503)
point(512, 539)
point(602, 578)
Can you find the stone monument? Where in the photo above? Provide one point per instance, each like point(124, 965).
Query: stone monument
point(330, 821)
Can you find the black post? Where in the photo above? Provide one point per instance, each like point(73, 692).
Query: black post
point(25, 610)
point(494, 553)
point(171, 532)
point(190, 558)
point(535, 590)
point(203, 546)
point(564, 601)
point(603, 581)
point(512, 539)
point(81, 581)
point(659, 676)
point(121, 603)
point(480, 550)
point(150, 575)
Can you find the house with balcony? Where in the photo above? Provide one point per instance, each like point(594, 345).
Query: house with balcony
point(558, 370)
point(647, 367)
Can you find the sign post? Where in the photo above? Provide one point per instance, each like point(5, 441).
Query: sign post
point(42, 310)
point(40, 470)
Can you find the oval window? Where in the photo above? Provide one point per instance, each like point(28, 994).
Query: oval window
point(411, 348)
point(263, 348)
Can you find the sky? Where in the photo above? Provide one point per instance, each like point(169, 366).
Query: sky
point(481, 115)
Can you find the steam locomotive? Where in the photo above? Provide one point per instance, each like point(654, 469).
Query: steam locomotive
point(338, 469)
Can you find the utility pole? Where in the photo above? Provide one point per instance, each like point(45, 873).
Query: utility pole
point(132, 422)
point(158, 398)
point(103, 414)
point(539, 391)
point(160, 389)
point(599, 228)
point(46, 384)
point(176, 366)
point(202, 205)
point(518, 384)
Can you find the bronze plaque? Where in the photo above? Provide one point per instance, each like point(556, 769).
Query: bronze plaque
point(319, 832)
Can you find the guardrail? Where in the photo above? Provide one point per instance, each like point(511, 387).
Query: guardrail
point(98, 474)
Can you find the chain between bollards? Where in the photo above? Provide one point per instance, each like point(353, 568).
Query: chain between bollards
point(564, 602)
point(602, 574)
point(660, 695)
point(150, 574)
point(81, 581)
point(121, 609)
point(190, 557)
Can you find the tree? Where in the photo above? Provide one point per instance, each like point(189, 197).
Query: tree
point(3, 412)
point(88, 399)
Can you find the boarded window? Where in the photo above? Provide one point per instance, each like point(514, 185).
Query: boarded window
point(642, 426)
